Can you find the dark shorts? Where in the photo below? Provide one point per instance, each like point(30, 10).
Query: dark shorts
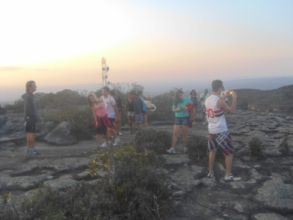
point(102, 130)
point(103, 125)
point(221, 141)
point(30, 126)
point(139, 118)
point(182, 121)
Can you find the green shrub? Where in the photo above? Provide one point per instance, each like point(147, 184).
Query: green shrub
point(256, 147)
point(133, 190)
point(152, 140)
point(197, 148)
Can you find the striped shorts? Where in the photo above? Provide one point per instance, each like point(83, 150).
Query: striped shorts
point(221, 141)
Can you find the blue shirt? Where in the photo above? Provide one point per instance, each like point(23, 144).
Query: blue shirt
point(183, 113)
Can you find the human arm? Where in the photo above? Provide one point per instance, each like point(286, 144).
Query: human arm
point(229, 108)
point(94, 116)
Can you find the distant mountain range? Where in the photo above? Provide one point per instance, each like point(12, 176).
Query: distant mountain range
point(265, 83)
point(158, 87)
point(277, 100)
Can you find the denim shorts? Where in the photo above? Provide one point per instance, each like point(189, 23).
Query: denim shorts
point(182, 121)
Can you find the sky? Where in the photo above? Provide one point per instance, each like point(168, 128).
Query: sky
point(60, 43)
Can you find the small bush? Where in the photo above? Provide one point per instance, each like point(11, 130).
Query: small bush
point(197, 148)
point(133, 190)
point(152, 140)
point(256, 148)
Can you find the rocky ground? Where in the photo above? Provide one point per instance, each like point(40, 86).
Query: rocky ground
point(264, 193)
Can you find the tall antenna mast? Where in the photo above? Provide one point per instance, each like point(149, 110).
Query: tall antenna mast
point(105, 70)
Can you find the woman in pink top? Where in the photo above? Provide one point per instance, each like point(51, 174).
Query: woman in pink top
point(104, 127)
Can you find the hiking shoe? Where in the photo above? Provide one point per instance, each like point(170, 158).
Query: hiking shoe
point(116, 141)
point(171, 151)
point(103, 145)
point(231, 178)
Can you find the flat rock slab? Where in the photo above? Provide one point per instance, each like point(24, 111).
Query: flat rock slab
point(277, 195)
point(55, 165)
point(176, 159)
point(186, 177)
point(268, 216)
point(8, 183)
point(61, 183)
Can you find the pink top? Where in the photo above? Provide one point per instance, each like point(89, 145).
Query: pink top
point(100, 109)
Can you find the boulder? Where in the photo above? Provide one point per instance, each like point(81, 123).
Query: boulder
point(61, 135)
point(276, 195)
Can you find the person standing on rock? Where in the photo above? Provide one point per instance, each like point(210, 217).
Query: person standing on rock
point(182, 119)
point(31, 118)
point(193, 108)
point(219, 137)
point(118, 119)
point(130, 110)
point(103, 125)
point(139, 112)
point(111, 109)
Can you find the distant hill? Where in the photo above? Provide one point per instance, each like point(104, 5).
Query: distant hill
point(277, 100)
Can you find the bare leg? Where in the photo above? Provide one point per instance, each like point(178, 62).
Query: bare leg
point(118, 122)
point(212, 156)
point(176, 131)
point(228, 163)
point(30, 138)
point(185, 135)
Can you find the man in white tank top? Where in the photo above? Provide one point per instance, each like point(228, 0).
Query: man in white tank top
point(219, 137)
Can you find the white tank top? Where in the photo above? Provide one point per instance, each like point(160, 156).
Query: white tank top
point(215, 116)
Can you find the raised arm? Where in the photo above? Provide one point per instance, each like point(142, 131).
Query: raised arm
point(229, 108)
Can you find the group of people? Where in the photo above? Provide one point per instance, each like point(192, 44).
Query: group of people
point(107, 113)
point(215, 106)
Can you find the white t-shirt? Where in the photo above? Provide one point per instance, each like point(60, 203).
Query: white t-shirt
point(110, 103)
point(215, 115)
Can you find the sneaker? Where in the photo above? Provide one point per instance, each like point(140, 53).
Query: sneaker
point(105, 144)
point(171, 151)
point(210, 175)
point(35, 152)
point(116, 141)
point(231, 178)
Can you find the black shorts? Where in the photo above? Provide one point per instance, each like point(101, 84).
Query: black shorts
point(30, 126)
point(102, 130)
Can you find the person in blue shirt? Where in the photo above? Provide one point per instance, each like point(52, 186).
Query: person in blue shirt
point(182, 119)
